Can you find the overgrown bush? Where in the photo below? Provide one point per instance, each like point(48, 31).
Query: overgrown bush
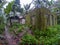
point(49, 36)
point(29, 39)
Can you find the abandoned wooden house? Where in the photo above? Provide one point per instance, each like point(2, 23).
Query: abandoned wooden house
point(42, 17)
point(18, 19)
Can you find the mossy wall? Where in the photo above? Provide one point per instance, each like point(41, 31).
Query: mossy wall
point(28, 19)
point(40, 18)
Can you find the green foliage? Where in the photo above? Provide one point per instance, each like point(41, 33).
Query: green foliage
point(57, 26)
point(49, 36)
point(20, 29)
point(9, 7)
point(29, 39)
point(1, 19)
point(1, 25)
point(55, 9)
point(17, 27)
point(1, 28)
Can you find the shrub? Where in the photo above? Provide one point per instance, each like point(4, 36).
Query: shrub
point(29, 39)
point(49, 36)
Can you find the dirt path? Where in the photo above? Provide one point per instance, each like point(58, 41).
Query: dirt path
point(9, 37)
point(12, 41)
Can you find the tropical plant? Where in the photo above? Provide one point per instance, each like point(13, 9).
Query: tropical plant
point(49, 36)
point(29, 39)
point(9, 7)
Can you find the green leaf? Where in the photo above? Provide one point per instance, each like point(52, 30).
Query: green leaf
point(9, 7)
